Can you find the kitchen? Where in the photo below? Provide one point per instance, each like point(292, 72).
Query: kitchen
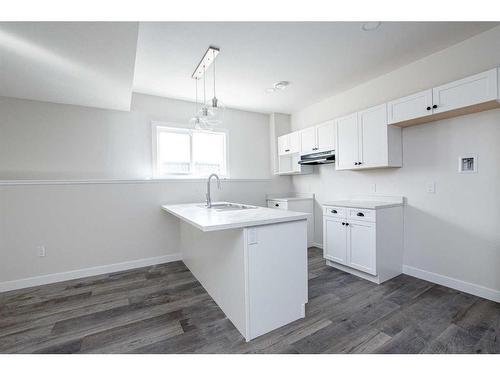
point(155, 199)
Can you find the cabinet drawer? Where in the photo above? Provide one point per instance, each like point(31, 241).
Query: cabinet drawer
point(277, 204)
point(331, 211)
point(361, 214)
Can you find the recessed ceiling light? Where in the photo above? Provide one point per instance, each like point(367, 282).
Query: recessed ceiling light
point(370, 26)
point(281, 85)
point(278, 86)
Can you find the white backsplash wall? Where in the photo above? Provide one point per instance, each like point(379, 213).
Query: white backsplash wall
point(454, 232)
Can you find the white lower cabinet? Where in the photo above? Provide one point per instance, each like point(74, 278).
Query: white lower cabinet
point(365, 242)
point(336, 237)
point(361, 246)
point(350, 243)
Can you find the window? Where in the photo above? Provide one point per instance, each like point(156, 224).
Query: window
point(187, 153)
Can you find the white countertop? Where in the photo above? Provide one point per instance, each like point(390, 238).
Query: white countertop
point(373, 205)
point(287, 199)
point(211, 220)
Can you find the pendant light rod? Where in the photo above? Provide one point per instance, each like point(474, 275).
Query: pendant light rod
point(207, 59)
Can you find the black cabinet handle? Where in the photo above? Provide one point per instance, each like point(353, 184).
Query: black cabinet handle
point(287, 150)
point(346, 223)
point(428, 108)
point(356, 163)
point(276, 205)
point(360, 214)
point(343, 223)
point(360, 163)
point(434, 106)
point(334, 211)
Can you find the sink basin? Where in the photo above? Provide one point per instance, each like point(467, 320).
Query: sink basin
point(229, 207)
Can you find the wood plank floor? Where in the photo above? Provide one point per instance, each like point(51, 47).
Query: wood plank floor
point(164, 309)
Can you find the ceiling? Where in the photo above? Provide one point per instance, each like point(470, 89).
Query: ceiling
point(99, 64)
point(83, 63)
point(319, 58)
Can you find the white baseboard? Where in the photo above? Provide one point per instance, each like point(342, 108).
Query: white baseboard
point(316, 244)
point(86, 272)
point(463, 286)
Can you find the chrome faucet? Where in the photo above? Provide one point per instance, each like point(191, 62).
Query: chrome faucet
point(209, 198)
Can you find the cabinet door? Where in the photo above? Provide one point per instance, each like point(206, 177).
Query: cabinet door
point(347, 150)
point(326, 136)
point(334, 240)
point(410, 107)
point(362, 246)
point(308, 140)
point(475, 89)
point(283, 144)
point(294, 142)
point(373, 139)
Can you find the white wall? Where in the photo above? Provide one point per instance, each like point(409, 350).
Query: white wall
point(454, 232)
point(86, 225)
point(53, 141)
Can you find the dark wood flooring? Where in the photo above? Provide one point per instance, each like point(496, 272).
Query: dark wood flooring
point(164, 309)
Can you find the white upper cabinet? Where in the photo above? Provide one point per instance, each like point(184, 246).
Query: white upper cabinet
point(318, 138)
point(294, 142)
point(364, 140)
point(479, 88)
point(308, 142)
point(282, 144)
point(347, 149)
point(325, 134)
point(288, 143)
point(476, 93)
point(410, 107)
point(373, 137)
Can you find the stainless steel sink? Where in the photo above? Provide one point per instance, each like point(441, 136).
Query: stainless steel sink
point(229, 207)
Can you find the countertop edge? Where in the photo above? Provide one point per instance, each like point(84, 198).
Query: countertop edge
point(254, 223)
point(375, 207)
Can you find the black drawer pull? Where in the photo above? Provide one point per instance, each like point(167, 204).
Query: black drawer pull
point(276, 205)
point(287, 150)
point(333, 211)
point(360, 214)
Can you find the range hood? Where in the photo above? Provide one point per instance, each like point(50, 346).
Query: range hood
point(324, 157)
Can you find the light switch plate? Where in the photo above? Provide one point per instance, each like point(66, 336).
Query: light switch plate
point(431, 187)
point(252, 236)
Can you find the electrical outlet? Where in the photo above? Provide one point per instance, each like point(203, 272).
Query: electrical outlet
point(252, 236)
point(40, 251)
point(431, 187)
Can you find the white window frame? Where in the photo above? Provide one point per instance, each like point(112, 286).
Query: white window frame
point(177, 128)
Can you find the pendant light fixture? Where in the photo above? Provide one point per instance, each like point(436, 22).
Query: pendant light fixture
point(217, 108)
point(210, 114)
point(195, 120)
